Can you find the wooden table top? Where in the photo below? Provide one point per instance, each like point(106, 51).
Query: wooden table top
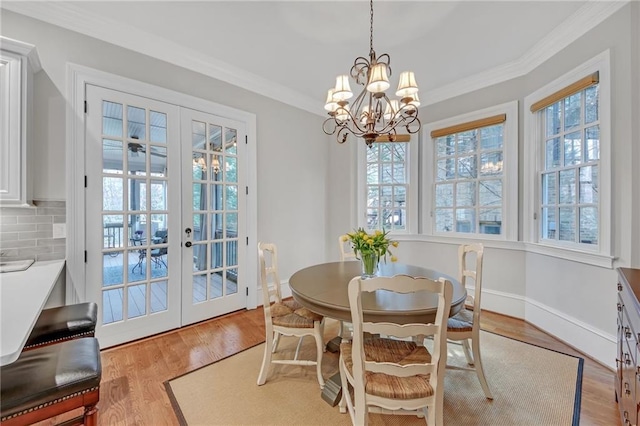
point(323, 289)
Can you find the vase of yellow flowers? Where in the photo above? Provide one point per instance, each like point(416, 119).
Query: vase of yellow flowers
point(370, 249)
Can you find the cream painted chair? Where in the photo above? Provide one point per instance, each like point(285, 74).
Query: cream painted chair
point(285, 318)
point(346, 252)
point(391, 375)
point(465, 325)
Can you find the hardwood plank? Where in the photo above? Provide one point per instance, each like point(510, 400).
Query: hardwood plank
point(132, 389)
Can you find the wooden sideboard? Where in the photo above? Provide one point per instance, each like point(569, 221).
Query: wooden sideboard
point(627, 361)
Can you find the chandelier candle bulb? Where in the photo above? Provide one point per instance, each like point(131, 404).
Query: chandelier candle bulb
point(372, 116)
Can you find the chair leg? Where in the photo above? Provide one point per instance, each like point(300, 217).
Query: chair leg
point(91, 415)
point(266, 359)
point(320, 348)
point(345, 401)
point(276, 341)
point(467, 351)
point(480, 369)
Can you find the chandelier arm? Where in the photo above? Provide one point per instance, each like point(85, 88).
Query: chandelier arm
point(330, 130)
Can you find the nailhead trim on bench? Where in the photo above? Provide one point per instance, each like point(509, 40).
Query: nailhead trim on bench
point(46, 404)
point(61, 339)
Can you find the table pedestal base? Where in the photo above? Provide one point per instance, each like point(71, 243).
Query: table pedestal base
point(332, 391)
point(333, 345)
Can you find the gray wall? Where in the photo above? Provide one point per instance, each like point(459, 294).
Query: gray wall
point(292, 151)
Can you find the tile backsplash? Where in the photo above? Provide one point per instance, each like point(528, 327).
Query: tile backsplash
point(27, 233)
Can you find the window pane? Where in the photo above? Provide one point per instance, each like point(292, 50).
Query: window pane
point(444, 220)
point(491, 137)
point(589, 185)
point(491, 164)
point(446, 169)
point(198, 134)
point(490, 192)
point(136, 123)
point(372, 173)
point(112, 161)
point(385, 151)
point(572, 148)
point(549, 188)
point(466, 194)
point(386, 173)
point(592, 143)
point(373, 196)
point(567, 224)
point(465, 220)
point(591, 104)
point(137, 159)
point(399, 173)
point(589, 225)
point(444, 195)
point(445, 146)
point(572, 111)
point(567, 187)
point(231, 197)
point(552, 153)
point(112, 193)
point(467, 141)
point(111, 119)
point(399, 196)
point(157, 127)
point(199, 196)
point(548, 223)
point(553, 115)
point(467, 167)
point(231, 141)
point(491, 221)
point(399, 152)
point(372, 153)
point(215, 138)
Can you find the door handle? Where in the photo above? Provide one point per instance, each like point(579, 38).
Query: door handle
point(187, 244)
point(188, 232)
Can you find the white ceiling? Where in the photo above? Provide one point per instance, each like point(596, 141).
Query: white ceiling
point(292, 50)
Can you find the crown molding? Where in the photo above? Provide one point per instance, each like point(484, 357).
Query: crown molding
point(574, 27)
point(24, 49)
point(68, 16)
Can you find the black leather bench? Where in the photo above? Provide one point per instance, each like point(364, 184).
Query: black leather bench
point(56, 325)
point(52, 380)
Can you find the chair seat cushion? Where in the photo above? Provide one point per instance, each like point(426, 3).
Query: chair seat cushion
point(64, 322)
point(290, 313)
point(397, 352)
point(462, 321)
point(44, 375)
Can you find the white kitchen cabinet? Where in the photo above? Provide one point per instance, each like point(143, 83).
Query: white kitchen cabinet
point(18, 63)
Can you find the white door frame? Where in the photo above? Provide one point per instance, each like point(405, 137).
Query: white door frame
point(78, 77)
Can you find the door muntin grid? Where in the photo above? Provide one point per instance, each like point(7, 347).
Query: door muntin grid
point(134, 211)
point(215, 211)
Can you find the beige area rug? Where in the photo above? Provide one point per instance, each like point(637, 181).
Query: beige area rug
point(530, 385)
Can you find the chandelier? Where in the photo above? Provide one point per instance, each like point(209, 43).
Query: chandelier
point(372, 114)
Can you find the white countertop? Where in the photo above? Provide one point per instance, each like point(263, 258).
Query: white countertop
point(22, 296)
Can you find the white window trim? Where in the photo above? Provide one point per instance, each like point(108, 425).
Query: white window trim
point(510, 182)
point(412, 188)
point(600, 255)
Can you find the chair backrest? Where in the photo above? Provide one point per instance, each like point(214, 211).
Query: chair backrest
point(438, 329)
point(269, 279)
point(346, 252)
point(465, 257)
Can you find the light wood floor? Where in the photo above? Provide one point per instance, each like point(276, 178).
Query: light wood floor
point(132, 390)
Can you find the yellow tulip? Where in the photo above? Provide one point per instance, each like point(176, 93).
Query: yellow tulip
point(378, 232)
point(345, 238)
point(394, 259)
point(394, 243)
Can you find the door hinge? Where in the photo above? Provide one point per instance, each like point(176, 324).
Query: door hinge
point(247, 288)
point(246, 139)
point(85, 107)
point(535, 216)
point(247, 240)
point(246, 190)
point(85, 181)
point(85, 256)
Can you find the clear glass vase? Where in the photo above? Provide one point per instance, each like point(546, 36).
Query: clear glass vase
point(369, 264)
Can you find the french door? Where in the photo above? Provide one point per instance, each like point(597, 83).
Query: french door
point(162, 198)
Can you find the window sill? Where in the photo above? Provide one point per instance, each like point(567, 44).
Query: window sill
point(595, 259)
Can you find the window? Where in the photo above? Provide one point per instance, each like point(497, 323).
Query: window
point(568, 168)
point(386, 186)
point(471, 174)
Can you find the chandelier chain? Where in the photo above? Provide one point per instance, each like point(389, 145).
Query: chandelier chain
point(371, 28)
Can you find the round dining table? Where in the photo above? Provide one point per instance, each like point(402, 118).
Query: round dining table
point(323, 289)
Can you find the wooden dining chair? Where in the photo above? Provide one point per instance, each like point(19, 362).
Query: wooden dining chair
point(346, 252)
point(388, 374)
point(285, 318)
point(464, 327)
